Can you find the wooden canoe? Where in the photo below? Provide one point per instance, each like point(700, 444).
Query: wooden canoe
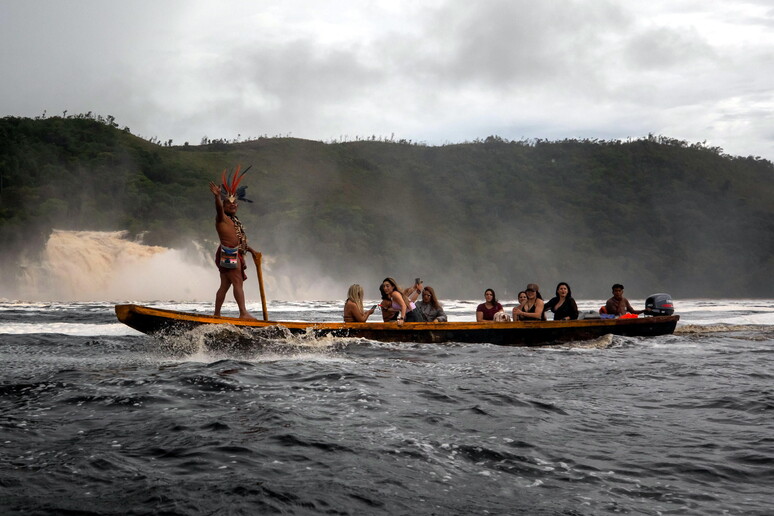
point(153, 321)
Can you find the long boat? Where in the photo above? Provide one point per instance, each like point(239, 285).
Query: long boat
point(157, 321)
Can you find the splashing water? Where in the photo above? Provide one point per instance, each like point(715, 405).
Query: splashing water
point(106, 266)
point(99, 265)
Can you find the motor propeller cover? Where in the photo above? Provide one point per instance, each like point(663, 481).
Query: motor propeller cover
point(659, 304)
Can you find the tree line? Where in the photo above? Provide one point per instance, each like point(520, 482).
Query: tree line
point(655, 213)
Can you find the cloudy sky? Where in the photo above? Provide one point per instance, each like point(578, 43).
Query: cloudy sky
point(435, 71)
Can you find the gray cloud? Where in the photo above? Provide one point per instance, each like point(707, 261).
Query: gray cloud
point(436, 72)
point(519, 43)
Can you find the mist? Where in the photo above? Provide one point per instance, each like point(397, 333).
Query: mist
point(107, 266)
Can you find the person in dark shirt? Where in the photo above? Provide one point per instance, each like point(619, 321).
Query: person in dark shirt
point(532, 310)
point(522, 298)
point(562, 304)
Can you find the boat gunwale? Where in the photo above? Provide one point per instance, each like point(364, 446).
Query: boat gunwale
point(387, 326)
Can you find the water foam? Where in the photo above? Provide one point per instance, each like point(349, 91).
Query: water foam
point(100, 265)
point(106, 266)
point(75, 329)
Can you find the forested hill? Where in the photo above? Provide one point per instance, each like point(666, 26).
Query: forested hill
point(655, 214)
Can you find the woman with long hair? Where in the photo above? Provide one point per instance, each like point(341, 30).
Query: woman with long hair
point(399, 302)
point(430, 306)
point(385, 304)
point(353, 308)
point(486, 310)
point(563, 305)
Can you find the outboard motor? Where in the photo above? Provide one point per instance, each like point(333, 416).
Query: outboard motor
point(659, 304)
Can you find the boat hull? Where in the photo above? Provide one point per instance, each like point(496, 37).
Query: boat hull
point(153, 321)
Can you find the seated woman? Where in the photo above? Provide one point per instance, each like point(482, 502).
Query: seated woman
point(522, 298)
point(430, 306)
point(532, 310)
point(353, 308)
point(486, 310)
point(391, 314)
point(388, 314)
point(399, 302)
point(563, 305)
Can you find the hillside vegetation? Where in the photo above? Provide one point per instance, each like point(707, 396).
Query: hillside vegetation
point(656, 214)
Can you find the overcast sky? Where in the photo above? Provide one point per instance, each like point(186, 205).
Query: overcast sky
point(435, 71)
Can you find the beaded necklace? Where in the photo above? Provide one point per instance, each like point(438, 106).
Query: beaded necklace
point(240, 231)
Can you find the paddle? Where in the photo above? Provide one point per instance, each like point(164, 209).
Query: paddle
point(257, 260)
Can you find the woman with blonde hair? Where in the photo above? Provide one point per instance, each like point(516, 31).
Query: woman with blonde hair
point(353, 308)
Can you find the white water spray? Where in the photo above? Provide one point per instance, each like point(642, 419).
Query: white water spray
point(105, 266)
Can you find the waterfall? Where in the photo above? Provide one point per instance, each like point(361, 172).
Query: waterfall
point(105, 266)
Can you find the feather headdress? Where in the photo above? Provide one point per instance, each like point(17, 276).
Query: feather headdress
point(230, 189)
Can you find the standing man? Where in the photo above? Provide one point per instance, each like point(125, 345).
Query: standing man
point(619, 305)
point(230, 256)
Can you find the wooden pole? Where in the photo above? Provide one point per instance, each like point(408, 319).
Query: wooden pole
point(257, 260)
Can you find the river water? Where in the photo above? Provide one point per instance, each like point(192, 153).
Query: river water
point(96, 418)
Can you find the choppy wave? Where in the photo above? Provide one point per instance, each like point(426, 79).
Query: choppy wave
point(64, 328)
point(100, 421)
point(722, 328)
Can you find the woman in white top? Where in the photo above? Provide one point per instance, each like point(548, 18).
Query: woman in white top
point(399, 302)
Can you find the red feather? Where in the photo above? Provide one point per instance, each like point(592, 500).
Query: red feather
point(232, 180)
point(238, 178)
